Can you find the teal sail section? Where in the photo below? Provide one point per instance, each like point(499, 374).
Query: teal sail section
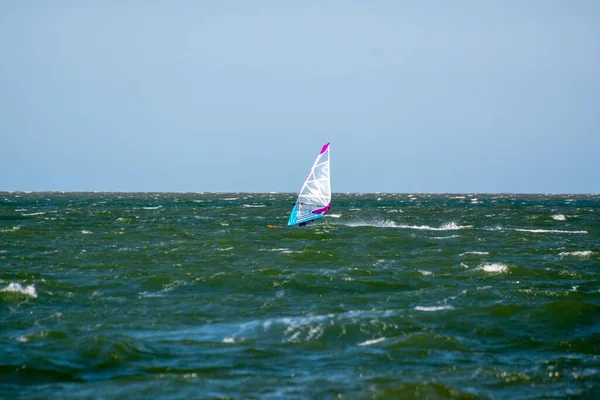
point(298, 216)
point(314, 199)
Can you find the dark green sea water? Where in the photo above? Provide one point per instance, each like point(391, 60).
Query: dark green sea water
point(391, 296)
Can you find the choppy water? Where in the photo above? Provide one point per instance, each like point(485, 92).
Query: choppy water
point(391, 296)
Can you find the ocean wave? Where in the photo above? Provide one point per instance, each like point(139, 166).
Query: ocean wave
point(494, 268)
point(445, 237)
point(433, 308)
point(449, 226)
point(548, 231)
point(501, 228)
point(11, 229)
point(18, 288)
point(474, 252)
point(292, 329)
point(559, 217)
point(584, 254)
point(372, 341)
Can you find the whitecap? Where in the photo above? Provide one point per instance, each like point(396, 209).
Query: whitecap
point(32, 214)
point(584, 254)
point(334, 215)
point(17, 288)
point(559, 217)
point(426, 273)
point(282, 250)
point(372, 341)
point(549, 231)
point(433, 308)
point(494, 267)
point(254, 205)
point(152, 208)
point(449, 226)
point(228, 340)
point(474, 252)
point(224, 248)
point(84, 232)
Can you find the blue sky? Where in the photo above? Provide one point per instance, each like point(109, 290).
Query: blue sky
point(414, 96)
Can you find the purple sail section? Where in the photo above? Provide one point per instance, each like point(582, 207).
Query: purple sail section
point(322, 210)
point(324, 149)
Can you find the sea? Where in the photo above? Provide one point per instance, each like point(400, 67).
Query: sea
point(390, 296)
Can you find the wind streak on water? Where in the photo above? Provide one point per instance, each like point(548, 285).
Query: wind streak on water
point(395, 296)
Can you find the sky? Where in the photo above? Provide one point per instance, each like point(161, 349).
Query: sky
point(239, 96)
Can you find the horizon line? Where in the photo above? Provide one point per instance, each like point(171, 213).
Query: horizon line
point(294, 193)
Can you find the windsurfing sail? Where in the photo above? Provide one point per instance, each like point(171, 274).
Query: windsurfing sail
point(314, 199)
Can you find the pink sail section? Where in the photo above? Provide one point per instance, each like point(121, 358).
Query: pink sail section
point(322, 210)
point(324, 149)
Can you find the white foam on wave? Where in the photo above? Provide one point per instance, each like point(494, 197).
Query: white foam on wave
point(559, 217)
point(426, 273)
point(549, 231)
point(449, 226)
point(229, 248)
point(84, 232)
point(283, 250)
point(334, 215)
point(292, 328)
point(434, 308)
point(254, 205)
point(474, 252)
point(32, 214)
point(372, 341)
point(494, 268)
point(584, 254)
point(152, 208)
point(17, 288)
point(445, 237)
point(13, 228)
